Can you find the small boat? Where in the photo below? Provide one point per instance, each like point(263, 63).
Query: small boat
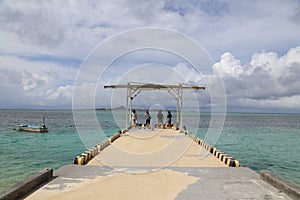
point(32, 128)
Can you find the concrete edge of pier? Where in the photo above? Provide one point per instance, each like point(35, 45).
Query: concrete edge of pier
point(28, 185)
point(281, 184)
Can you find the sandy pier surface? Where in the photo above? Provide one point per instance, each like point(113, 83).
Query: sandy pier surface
point(155, 164)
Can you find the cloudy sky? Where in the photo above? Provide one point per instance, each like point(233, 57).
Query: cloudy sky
point(254, 47)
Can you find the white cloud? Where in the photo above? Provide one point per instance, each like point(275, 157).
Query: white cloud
point(268, 81)
point(35, 83)
point(228, 65)
point(62, 93)
point(73, 28)
point(31, 81)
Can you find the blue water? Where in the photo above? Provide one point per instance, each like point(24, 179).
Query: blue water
point(23, 153)
point(263, 142)
point(259, 141)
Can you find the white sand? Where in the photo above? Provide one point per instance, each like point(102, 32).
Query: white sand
point(162, 184)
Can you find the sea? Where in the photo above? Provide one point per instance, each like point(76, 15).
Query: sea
point(259, 141)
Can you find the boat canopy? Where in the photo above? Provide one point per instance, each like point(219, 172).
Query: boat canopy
point(175, 90)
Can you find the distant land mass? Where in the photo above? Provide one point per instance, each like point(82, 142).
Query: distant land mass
point(116, 108)
point(137, 109)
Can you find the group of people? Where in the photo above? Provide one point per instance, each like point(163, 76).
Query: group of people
point(160, 119)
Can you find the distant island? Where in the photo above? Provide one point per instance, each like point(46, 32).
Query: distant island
point(116, 108)
point(137, 109)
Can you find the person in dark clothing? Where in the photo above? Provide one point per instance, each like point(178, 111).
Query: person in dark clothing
point(169, 117)
point(148, 118)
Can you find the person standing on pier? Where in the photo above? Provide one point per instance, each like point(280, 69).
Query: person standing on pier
point(133, 118)
point(148, 118)
point(169, 117)
point(160, 119)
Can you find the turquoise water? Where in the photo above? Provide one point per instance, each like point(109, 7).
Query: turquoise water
point(263, 142)
point(23, 153)
point(259, 141)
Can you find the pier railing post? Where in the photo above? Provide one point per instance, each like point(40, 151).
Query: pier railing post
point(127, 108)
point(180, 99)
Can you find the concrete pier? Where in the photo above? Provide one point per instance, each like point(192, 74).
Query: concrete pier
point(156, 164)
point(28, 185)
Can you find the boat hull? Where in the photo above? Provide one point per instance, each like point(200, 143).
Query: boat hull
point(33, 129)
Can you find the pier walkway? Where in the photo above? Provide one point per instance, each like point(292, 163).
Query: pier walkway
point(155, 164)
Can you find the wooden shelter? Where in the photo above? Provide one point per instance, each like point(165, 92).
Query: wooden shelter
point(134, 88)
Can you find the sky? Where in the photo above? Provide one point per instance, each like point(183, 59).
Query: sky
point(254, 47)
